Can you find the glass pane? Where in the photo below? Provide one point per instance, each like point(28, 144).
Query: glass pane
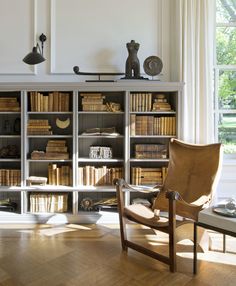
point(226, 45)
point(225, 11)
point(227, 132)
point(227, 90)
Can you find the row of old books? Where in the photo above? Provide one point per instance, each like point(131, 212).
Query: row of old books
point(143, 102)
point(55, 150)
point(10, 177)
point(54, 101)
point(151, 125)
point(148, 176)
point(97, 176)
point(9, 104)
point(59, 175)
point(93, 102)
point(50, 203)
point(38, 127)
point(150, 151)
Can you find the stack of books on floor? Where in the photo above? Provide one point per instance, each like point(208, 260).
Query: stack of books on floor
point(93, 102)
point(9, 104)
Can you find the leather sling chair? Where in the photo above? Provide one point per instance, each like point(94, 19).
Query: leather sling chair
point(192, 176)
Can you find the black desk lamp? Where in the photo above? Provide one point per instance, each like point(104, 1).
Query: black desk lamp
point(35, 57)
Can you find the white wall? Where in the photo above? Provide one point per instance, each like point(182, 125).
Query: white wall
point(90, 34)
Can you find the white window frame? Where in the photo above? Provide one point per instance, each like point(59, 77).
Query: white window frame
point(217, 69)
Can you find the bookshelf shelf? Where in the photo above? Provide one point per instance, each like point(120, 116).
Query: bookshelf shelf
point(9, 160)
point(49, 136)
point(100, 112)
point(48, 161)
point(101, 136)
point(152, 112)
point(149, 160)
point(49, 113)
point(96, 188)
point(50, 188)
point(100, 160)
point(10, 136)
point(10, 189)
point(122, 116)
point(152, 136)
point(10, 112)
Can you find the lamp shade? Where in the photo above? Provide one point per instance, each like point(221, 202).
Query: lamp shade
point(34, 57)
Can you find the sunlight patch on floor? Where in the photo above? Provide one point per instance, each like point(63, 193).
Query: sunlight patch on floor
point(78, 226)
point(48, 231)
point(215, 257)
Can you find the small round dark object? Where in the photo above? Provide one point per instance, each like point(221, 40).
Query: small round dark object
point(152, 65)
point(86, 204)
point(42, 38)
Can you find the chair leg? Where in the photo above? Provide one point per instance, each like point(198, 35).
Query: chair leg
point(123, 233)
point(120, 201)
point(172, 252)
point(172, 236)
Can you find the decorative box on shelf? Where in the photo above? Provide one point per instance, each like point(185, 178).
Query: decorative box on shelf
point(100, 152)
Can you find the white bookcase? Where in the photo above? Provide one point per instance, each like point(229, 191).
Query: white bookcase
point(78, 140)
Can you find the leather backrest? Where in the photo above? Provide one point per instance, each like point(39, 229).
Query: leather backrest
point(193, 171)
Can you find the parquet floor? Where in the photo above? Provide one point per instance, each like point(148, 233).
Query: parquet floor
point(91, 255)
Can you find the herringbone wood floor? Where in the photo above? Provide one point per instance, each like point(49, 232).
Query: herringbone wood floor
point(91, 255)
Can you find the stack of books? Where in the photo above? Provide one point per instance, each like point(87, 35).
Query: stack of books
point(9, 104)
point(148, 176)
point(55, 150)
point(38, 127)
point(93, 102)
point(150, 151)
point(160, 103)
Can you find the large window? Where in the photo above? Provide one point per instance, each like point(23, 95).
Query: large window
point(225, 75)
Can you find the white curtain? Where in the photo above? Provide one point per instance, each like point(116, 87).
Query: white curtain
point(192, 63)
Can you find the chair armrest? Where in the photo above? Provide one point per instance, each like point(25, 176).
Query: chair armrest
point(200, 202)
point(184, 208)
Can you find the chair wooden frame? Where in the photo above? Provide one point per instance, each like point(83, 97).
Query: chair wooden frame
point(170, 229)
point(174, 204)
